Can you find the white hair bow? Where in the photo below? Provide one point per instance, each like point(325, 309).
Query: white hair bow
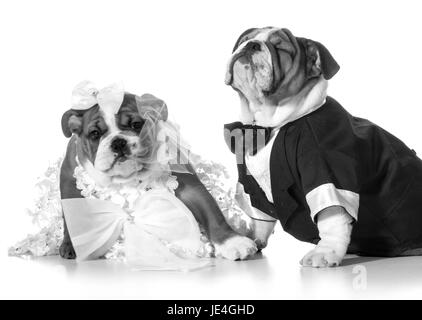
point(85, 95)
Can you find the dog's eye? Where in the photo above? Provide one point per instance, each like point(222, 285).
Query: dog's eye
point(94, 135)
point(136, 125)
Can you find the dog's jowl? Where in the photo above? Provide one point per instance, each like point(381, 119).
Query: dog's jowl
point(332, 179)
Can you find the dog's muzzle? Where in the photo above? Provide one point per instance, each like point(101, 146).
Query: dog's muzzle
point(243, 51)
point(262, 58)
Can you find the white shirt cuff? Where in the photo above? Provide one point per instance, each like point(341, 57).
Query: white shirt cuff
point(327, 195)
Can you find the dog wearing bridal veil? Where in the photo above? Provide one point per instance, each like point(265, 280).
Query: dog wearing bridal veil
point(128, 174)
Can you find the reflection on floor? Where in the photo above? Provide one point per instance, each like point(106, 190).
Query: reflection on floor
point(273, 274)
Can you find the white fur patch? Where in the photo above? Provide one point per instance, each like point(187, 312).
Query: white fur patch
point(335, 229)
point(305, 102)
point(234, 248)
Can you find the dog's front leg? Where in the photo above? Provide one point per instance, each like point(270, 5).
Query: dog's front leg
point(68, 190)
point(66, 249)
point(228, 244)
point(261, 225)
point(335, 228)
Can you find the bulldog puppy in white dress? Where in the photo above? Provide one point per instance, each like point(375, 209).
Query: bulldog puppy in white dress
point(127, 173)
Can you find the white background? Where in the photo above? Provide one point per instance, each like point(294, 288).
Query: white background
point(178, 51)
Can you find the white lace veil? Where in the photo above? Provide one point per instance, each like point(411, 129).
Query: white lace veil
point(165, 149)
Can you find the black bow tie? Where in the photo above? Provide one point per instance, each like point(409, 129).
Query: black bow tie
point(242, 138)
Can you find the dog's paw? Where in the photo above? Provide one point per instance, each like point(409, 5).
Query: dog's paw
point(66, 250)
point(318, 258)
point(260, 244)
point(236, 248)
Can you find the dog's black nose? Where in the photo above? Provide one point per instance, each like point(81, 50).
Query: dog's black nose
point(253, 46)
point(118, 145)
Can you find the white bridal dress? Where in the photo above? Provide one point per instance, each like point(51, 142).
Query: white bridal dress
point(159, 231)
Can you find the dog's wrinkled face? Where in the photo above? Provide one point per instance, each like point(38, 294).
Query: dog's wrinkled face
point(113, 142)
point(269, 65)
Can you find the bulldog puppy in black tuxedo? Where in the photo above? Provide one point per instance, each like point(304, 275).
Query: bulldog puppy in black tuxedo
point(331, 179)
point(108, 145)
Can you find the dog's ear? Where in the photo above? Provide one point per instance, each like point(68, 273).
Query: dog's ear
point(72, 122)
point(246, 35)
point(318, 59)
point(152, 107)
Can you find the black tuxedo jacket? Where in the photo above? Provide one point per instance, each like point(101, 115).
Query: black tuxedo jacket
point(331, 146)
